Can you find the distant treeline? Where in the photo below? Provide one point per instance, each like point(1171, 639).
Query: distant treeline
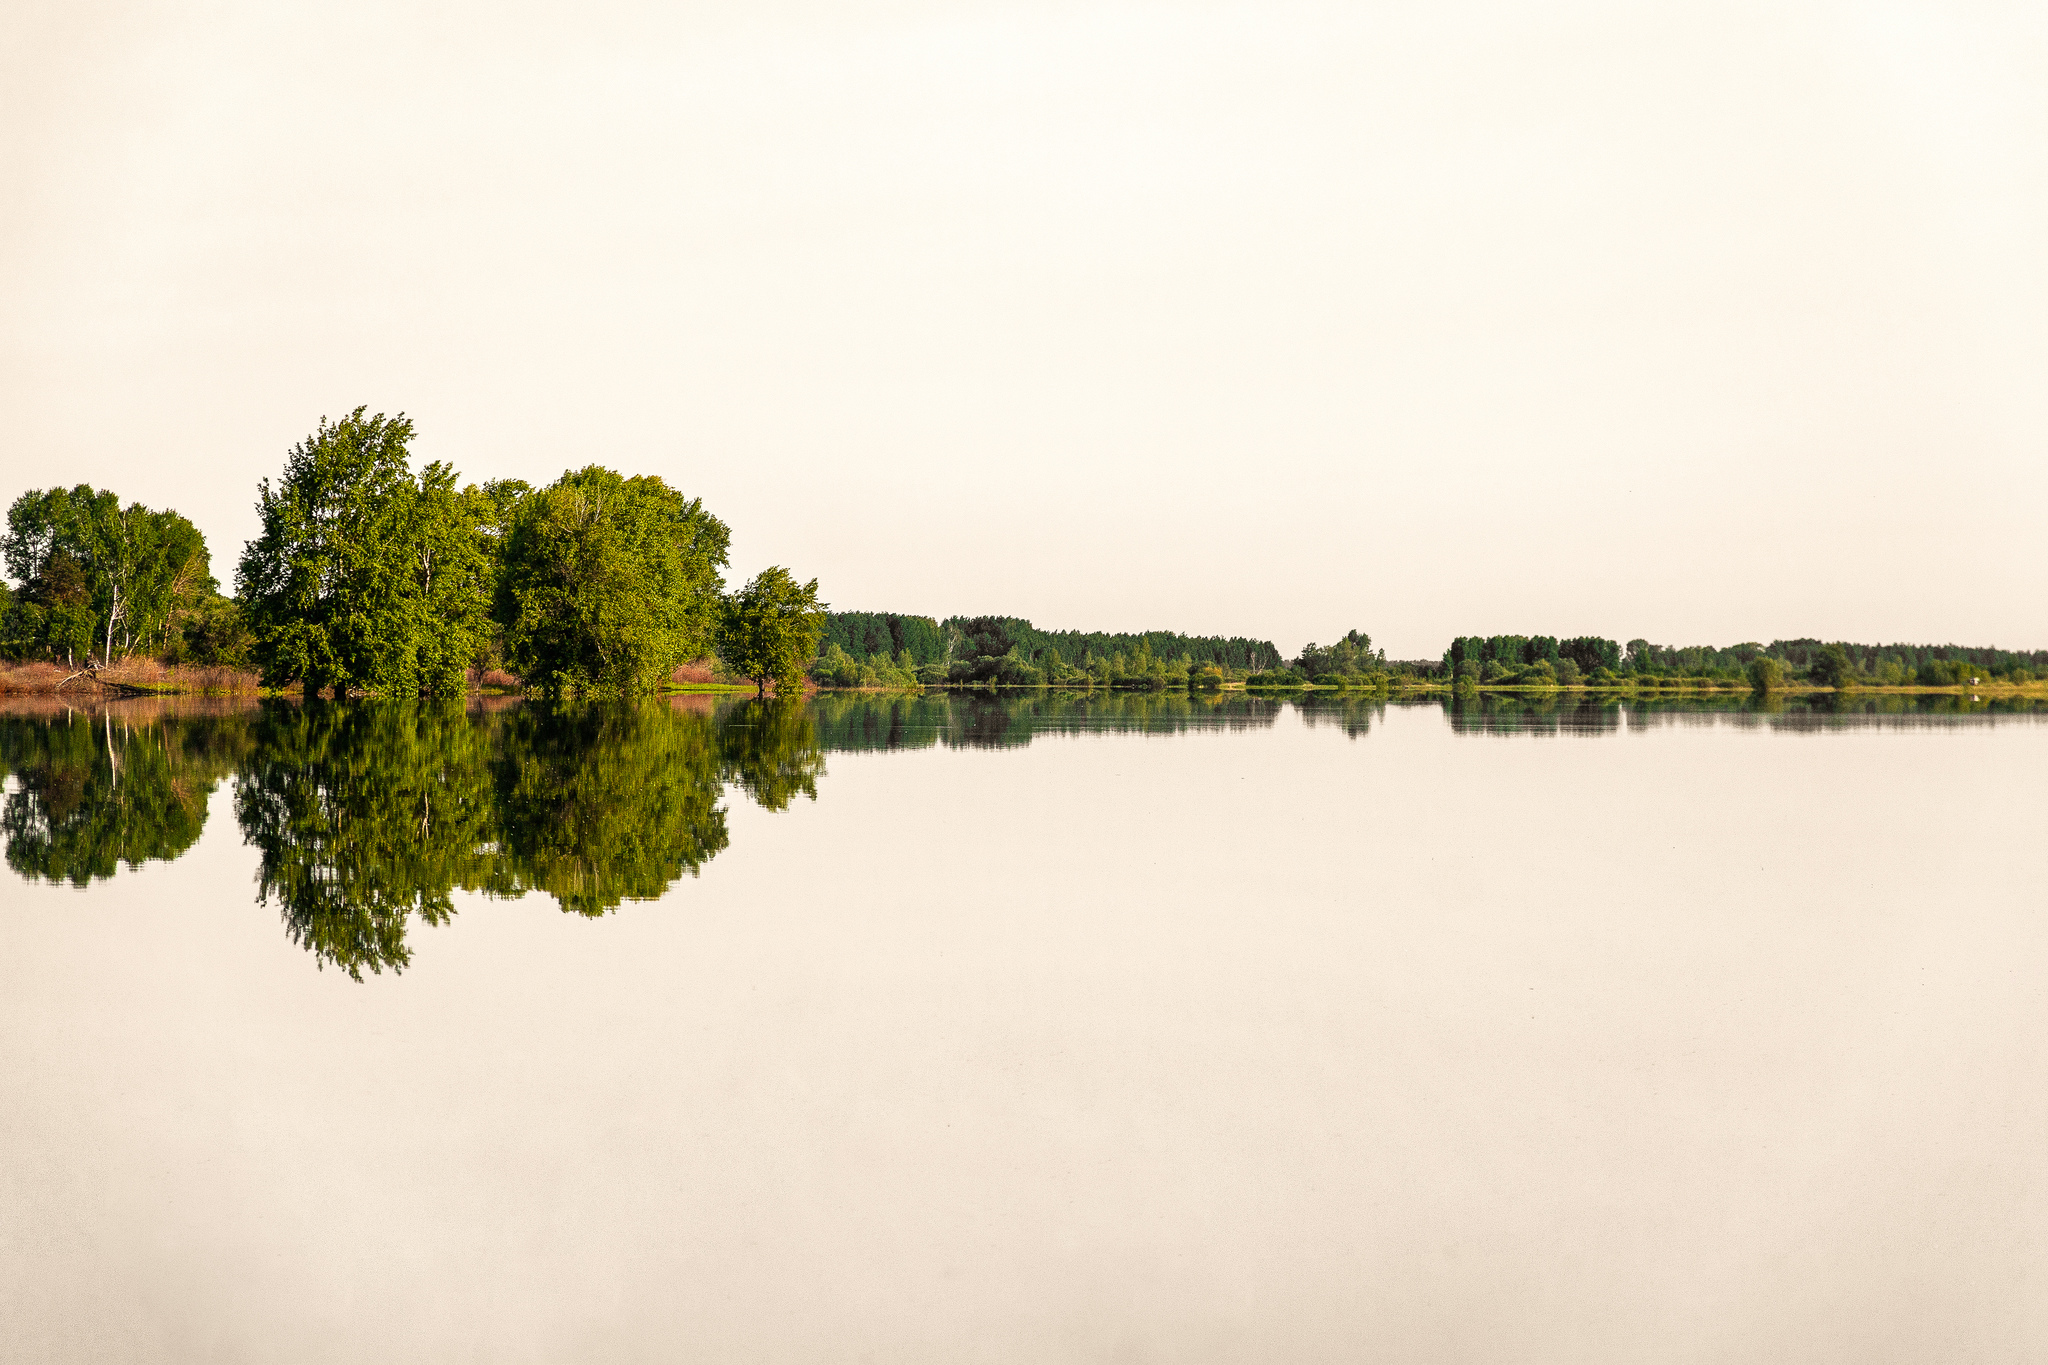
point(870, 649)
point(861, 648)
point(1546, 658)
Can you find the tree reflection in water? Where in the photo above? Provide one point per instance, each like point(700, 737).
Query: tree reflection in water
point(368, 815)
point(92, 792)
point(364, 815)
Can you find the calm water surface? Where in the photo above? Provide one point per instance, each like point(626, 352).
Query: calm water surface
point(959, 1029)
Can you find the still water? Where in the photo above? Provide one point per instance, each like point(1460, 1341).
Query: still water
point(968, 1029)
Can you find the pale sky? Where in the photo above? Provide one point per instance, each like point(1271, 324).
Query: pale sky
point(1699, 323)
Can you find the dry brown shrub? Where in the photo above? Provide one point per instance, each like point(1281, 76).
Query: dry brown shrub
point(35, 677)
point(137, 673)
point(474, 678)
point(219, 678)
point(701, 671)
point(148, 674)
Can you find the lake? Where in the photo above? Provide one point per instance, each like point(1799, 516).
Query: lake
point(966, 1028)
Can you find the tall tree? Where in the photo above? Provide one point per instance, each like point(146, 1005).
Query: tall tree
point(362, 577)
point(608, 583)
point(771, 628)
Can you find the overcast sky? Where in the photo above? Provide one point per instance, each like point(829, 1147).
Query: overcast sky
point(1700, 323)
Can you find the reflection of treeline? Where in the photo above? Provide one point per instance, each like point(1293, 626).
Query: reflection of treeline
point(999, 720)
point(364, 816)
point(1580, 714)
point(1352, 713)
point(887, 649)
point(95, 792)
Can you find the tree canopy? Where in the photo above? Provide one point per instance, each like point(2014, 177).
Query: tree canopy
point(770, 629)
point(608, 583)
point(99, 580)
point(364, 578)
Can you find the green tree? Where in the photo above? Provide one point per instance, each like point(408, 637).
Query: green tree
point(770, 629)
point(1766, 674)
point(103, 580)
point(363, 578)
point(1831, 667)
point(608, 583)
point(451, 547)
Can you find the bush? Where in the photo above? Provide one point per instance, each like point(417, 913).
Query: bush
point(1766, 674)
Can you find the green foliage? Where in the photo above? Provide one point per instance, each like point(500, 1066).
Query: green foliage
point(836, 668)
point(608, 583)
point(867, 635)
point(1058, 656)
point(1353, 654)
point(1469, 655)
point(99, 581)
point(1649, 665)
point(363, 578)
point(1831, 667)
point(770, 628)
point(216, 633)
point(1766, 674)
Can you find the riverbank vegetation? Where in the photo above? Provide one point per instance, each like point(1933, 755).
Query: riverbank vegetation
point(368, 578)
